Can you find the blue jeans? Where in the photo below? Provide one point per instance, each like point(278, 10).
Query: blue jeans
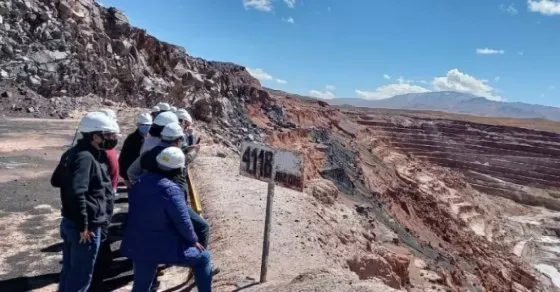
point(78, 258)
point(144, 272)
point(200, 227)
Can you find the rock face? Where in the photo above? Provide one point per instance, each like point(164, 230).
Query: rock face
point(437, 183)
point(78, 48)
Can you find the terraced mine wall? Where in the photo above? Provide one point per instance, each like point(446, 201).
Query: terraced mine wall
point(514, 163)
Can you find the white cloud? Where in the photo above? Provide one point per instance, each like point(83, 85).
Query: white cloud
point(456, 80)
point(520, 53)
point(322, 95)
point(330, 87)
point(509, 9)
point(390, 90)
point(487, 51)
point(545, 7)
point(289, 20)
point(386, 76)
point(552, 87)
point(290, 3)
point(329, 9)
point(259, 74)
point(264, 76)
point(261, 5)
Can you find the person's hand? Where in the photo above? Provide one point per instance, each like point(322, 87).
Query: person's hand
point(199, 246)
point(86, 236)
point(189, 130)
point(195, 147)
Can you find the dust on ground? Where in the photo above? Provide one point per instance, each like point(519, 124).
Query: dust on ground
point(315, 242)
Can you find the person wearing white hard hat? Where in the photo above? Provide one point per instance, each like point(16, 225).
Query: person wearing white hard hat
point(104, 256)
point(160, 121)
point(85, 188)
point(112, 154)
point(110, 113)
point(130, 150)
point(171, 135)
point(155, 111)
point(191, 144)
point(159, 230)
point(173, 109)
point(164, 106)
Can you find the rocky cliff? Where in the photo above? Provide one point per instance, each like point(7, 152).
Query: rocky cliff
point(57, 54)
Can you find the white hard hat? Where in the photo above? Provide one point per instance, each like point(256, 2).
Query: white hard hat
point(182, 114)
point(171, 132)
point(171, 158)
point(166, 118)
point(110, 113)
point(155, 109)
point(173, 109)
point(164, 106)
point(144, 119)
point(98, 122)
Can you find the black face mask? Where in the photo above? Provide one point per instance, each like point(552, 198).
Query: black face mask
point(108, 144)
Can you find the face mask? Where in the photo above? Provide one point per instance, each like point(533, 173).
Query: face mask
point(144, 129)
point(108, 144)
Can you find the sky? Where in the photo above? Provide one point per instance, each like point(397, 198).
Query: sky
point(374, 49)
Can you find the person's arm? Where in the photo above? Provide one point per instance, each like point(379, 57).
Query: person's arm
point(80, 172)
point(134, 171)
point(176, 209)
point(113, 162)
point(124, 158)
point(57, 177)
point(190, 156)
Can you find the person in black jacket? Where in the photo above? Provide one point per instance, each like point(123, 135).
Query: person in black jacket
point(130, 150)
point(86, 193)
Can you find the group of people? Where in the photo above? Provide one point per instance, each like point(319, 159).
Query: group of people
point(161, 228)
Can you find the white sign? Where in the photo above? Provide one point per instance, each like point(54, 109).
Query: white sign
point(262, 163)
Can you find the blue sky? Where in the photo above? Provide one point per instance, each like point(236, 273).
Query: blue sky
point(502, 50)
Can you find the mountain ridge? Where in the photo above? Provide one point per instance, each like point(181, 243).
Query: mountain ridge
point(456, 102)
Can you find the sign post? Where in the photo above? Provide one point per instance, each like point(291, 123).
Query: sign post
point(267, 227)
point(277, 167)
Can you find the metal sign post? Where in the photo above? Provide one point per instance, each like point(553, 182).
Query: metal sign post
point(280, 167)
point(267, 230)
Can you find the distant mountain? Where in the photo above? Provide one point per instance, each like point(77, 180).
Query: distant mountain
point(455, 102)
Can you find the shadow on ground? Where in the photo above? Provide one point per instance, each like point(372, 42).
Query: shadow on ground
point(117, 275)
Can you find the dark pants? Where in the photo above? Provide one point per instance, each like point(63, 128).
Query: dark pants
point(103, 262)
point(201, 227)
point(78, 258)
point(144, 273)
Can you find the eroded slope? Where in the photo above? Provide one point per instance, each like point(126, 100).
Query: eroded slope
point(458, 194)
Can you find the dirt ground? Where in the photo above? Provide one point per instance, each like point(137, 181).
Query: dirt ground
point(303, 258)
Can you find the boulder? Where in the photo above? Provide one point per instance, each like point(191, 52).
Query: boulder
point(122, 47)
point(202, 110)
point(4, 75)
point(325, 191)
point(5, 7)
point(65, 10)
point(373, 266)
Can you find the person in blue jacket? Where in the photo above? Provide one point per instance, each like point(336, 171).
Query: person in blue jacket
point(159, 229)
